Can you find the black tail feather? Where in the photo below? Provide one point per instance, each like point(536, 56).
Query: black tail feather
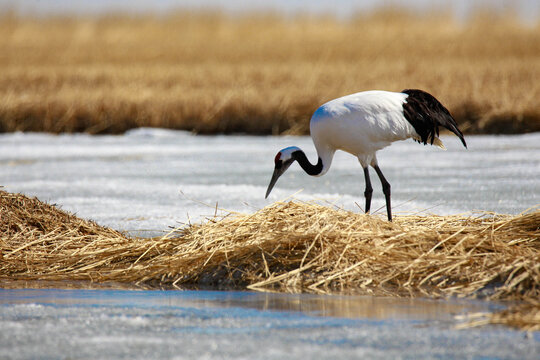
point(426, 114)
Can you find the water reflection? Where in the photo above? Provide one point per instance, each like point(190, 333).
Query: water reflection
point(359, 307)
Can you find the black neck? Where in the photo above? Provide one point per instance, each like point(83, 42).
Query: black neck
point(306, 165)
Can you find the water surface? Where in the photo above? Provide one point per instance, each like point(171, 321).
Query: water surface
point(90, 324)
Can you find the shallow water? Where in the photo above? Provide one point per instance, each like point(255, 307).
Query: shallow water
point(153, 179)
point(89, 324)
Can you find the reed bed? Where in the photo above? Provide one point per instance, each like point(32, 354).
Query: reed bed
point(259, 74)
point(290, 247)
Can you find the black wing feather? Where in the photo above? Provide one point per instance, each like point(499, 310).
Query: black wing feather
point(426, 114)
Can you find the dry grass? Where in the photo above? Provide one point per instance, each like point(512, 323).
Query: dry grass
point(259, 74)
point(288, 246)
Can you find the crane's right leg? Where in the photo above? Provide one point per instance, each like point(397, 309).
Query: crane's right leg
point(369, 190)
point(386, 191)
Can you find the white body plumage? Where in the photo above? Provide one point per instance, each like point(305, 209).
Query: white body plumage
point(360, 124)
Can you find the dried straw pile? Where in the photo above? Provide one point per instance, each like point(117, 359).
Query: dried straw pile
point(37, 239)
point(288, 246)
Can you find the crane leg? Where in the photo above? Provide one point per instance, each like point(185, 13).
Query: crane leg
point(368, 191)
point(386, 191)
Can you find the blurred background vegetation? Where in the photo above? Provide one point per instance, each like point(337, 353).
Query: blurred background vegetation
point(259, 73)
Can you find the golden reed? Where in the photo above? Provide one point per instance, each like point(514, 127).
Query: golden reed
point(259, 74)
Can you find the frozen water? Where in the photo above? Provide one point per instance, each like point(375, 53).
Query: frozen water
point(154, 179)
point(90, 324)
point(151, 179)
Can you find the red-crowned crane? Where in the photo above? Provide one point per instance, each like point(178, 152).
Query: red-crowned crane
point(363, 123)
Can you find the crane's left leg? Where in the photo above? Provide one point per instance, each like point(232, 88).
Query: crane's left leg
point(386, 191)
point(369, 190)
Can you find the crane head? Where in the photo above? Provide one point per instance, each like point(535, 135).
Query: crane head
point(284, 158)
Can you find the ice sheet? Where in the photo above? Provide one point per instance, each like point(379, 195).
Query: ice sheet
point(150, 180)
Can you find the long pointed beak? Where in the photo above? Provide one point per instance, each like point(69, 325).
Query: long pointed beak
point(275, 176)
